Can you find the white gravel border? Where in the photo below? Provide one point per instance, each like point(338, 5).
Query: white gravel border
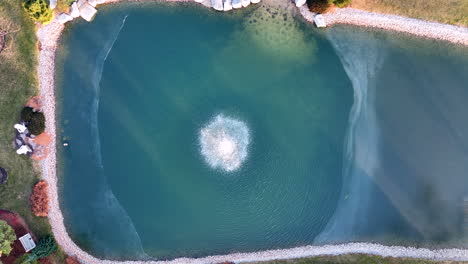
point(48, 36)
point(421, 28)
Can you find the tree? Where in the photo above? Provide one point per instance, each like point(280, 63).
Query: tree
point(35, 121)
point(7, 237)
point(38, 10)
point(44, 248)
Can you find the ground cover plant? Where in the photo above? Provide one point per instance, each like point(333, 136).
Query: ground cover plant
point(7, 236)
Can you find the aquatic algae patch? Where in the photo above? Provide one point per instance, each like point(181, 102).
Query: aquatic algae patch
point(224, 142)
point(277, 32)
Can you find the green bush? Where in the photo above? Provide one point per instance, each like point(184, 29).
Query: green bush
point(322, 6)
point(44, 248)
point(319, 6)
point(341, 3)
point(26, 114)
point(7, 237)
point(38, 10)
point(24, 260)
point(35, 121)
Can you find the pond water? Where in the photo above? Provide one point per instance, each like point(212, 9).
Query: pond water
point(194, 133)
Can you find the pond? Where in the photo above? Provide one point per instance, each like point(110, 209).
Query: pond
point(193, 133)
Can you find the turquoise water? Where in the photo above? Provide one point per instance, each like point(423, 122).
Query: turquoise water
point(346, 129)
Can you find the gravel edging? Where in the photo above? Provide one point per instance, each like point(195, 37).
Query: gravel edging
point(417, 27)
point(48, 36)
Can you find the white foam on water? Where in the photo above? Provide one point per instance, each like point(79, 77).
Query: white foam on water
point(224, 143)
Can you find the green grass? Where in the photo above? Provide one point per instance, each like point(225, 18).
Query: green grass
point(447, 11)
point(18, 83)
point(357, 259)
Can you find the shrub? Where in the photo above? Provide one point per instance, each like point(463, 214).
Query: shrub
point(72, 260)
point(35, 121)
point(24, 260)
point(341, 3)
point(27, 113)
point(40, 199)
point(7, 237)
point(38, 10)
point(322, 6)
point(319, 6)
point(44, 248)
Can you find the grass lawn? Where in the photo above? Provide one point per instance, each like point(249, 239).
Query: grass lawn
point(17, 83)
point(357, 259)
point(444, 11)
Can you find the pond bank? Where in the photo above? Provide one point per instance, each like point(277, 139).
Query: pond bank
point(417, 27)
point(48, 36)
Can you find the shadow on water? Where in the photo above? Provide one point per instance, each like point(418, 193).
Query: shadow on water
point(406, 154)
point(103, 211)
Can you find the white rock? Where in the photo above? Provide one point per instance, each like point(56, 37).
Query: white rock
point(93, 2)
point(300, 3)
point(23, 150)
point(74, 11)
point(217, 4)
point(80, 2)
point(198, 1)
point(87, 11)
point(236, 3)
point(254, 1)
point(227, 5)
point(320, 21)
point(245, 3)
point(52, 4)
point(206, 3)
point(20, 127)
point(100, 1)
point(64, 18)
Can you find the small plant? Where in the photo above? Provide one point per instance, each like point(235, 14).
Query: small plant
point(64, 5)
point(341, 3)
point(72, 260)
point(38, 10)
point(40, 199)
point(322, 6)
point(24, 260)
point(35, 121)
point(319, 6)
point(44, 248)
point(7, 237)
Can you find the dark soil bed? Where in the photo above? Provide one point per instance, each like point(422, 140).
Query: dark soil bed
point(21, 229)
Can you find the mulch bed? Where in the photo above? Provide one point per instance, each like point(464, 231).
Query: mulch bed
point(21, 229)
